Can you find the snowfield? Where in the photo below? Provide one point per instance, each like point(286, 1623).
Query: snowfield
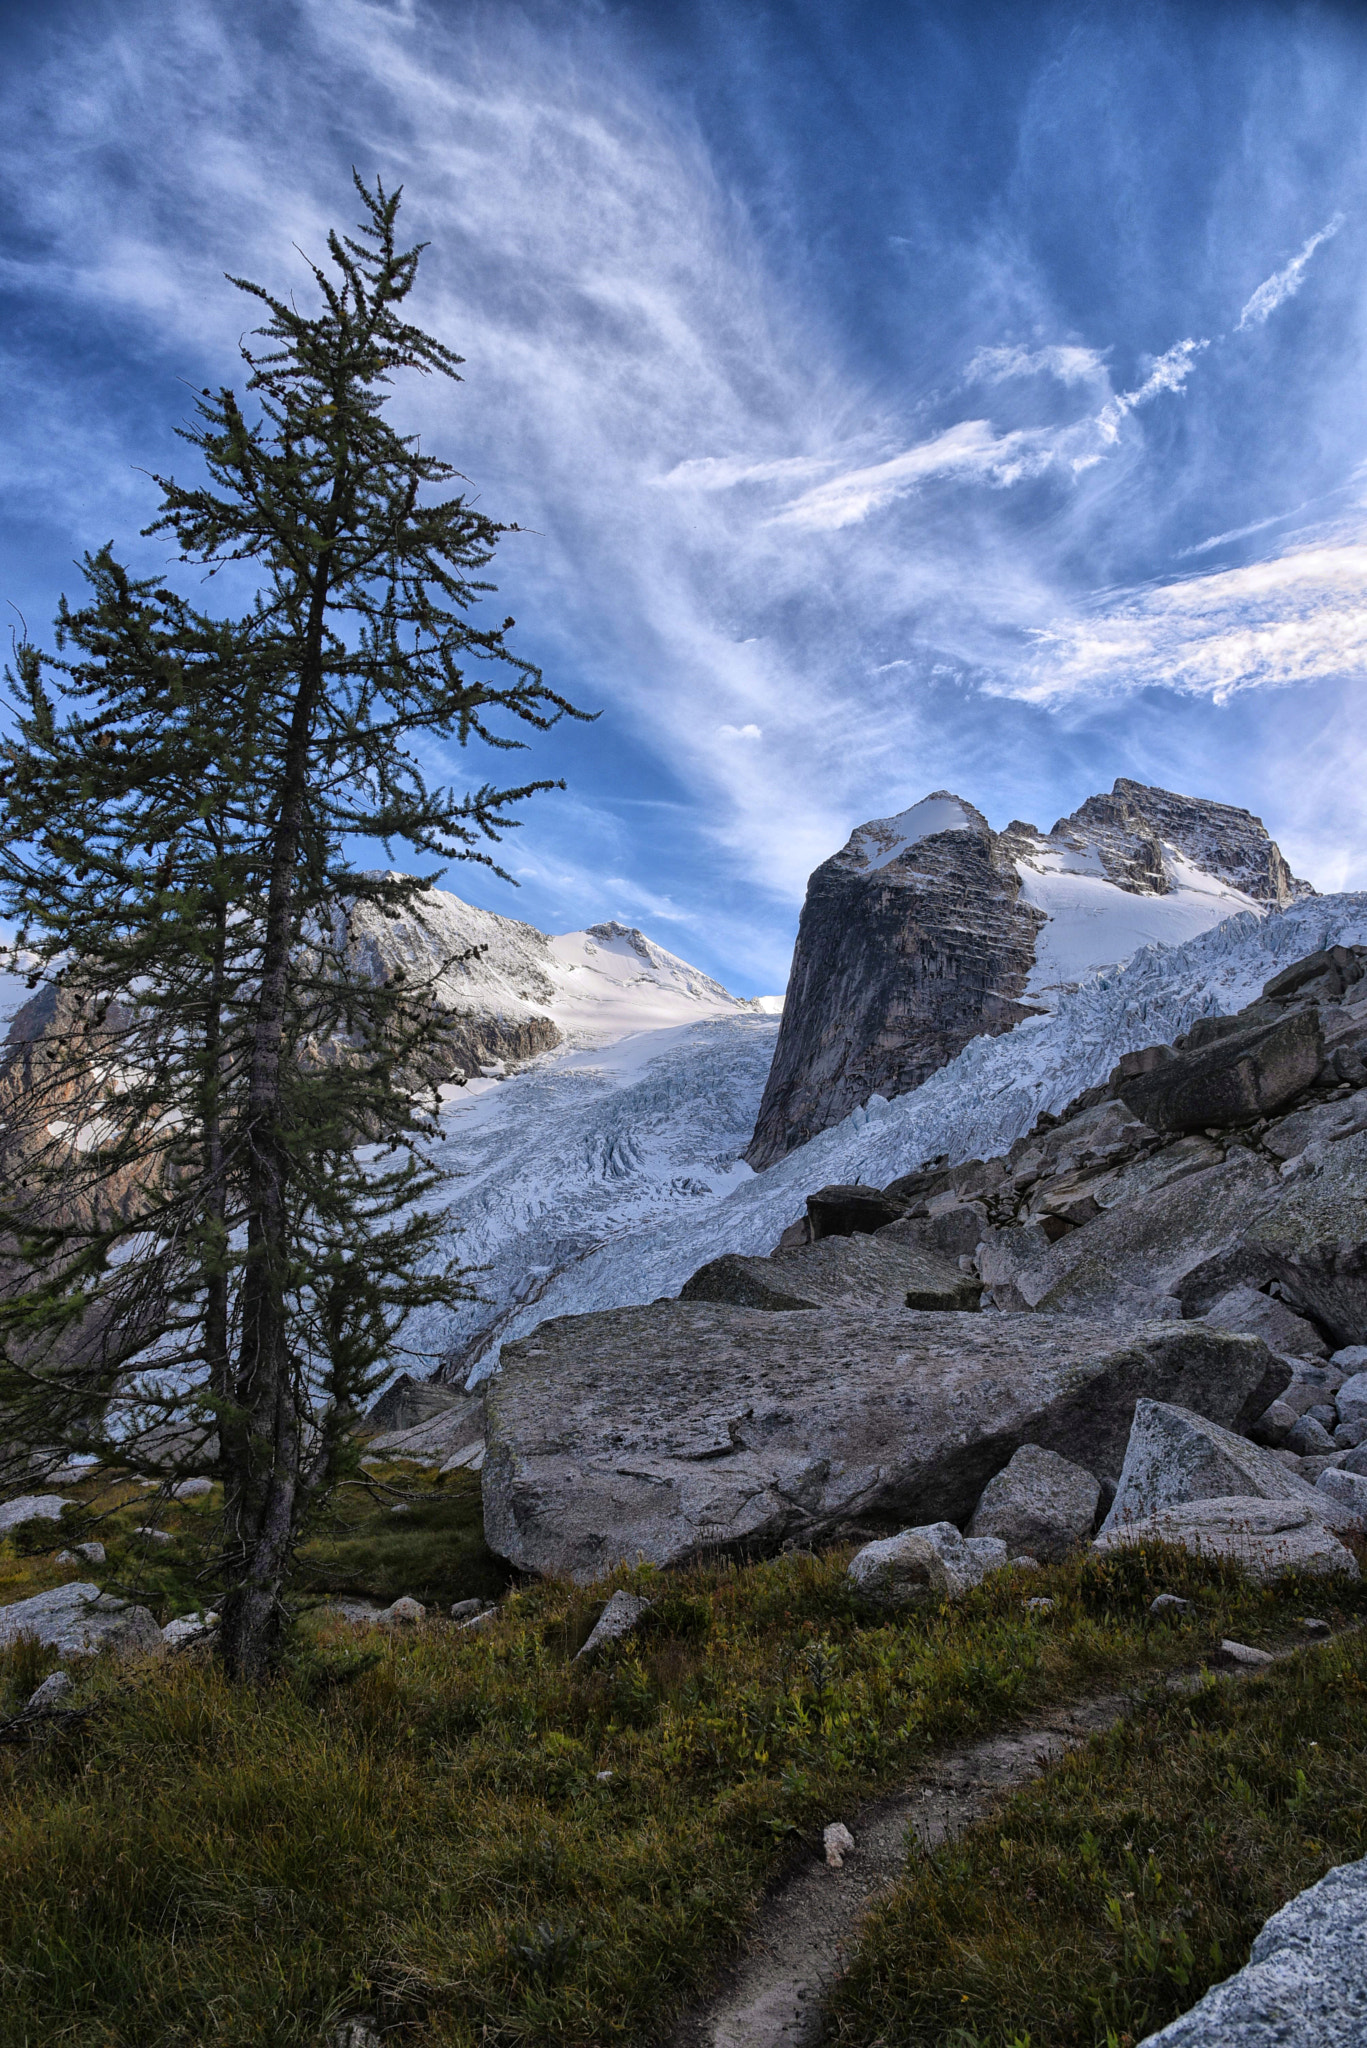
point(601, 1178)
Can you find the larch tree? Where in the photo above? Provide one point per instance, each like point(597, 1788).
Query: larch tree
point(217, 1197)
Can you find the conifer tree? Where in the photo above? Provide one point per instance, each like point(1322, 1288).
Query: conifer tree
point(201, 1233)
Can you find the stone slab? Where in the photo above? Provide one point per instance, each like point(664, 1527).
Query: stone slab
point(687, 1429)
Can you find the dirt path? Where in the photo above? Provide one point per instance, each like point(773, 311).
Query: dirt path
point(772, 1998)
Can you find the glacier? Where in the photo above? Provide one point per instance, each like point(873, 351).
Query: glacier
point(605, 1176)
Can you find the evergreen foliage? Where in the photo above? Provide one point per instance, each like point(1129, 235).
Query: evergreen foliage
point(198, 1251)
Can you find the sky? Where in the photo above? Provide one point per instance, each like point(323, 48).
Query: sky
point(893, 397)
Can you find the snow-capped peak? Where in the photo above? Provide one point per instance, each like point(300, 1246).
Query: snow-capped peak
point(884, 840)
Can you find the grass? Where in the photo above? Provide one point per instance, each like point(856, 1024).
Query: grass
point(480, 1841)
point(1102, 1902)
point(433, 1549)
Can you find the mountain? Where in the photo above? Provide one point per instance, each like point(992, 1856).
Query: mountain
point(589, 1185)
point(516, 991)
point(929, 929)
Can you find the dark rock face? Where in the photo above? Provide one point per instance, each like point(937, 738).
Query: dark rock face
point(901, 959)
point(1233, 1079)
point(849, 1208)
point(1131, 826)
point(917, 936)
point(686, 1428)
point(876, 1275)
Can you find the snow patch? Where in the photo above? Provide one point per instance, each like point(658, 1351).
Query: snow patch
point(884, 840)
point(1094, 925)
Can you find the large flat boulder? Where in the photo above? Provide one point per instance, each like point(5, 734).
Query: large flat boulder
point(872, 1275)
point(1174, 1457)
point(1264, 1537)
point(685, 1429)
point(78, 1619)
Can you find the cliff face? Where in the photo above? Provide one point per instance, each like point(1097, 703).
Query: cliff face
point(913, 939)
point(929, 929)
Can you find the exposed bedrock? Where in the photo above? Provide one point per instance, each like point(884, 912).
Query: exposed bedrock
point(921, 934)
point(876, 1275)
point(685, 1429)
point(901, 958)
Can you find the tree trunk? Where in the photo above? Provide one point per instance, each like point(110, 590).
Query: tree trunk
point(263, 1484)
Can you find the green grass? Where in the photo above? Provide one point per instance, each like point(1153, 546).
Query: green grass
point(433, 1551)
point(415, 1825)
point(1102, 1902)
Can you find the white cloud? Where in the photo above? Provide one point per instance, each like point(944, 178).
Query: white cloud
point(1168, 373)
point(1274, 291)
point(724, 472)
point(1066, 361)
point(973, 449)
point(740, 732)
point(1299, 619)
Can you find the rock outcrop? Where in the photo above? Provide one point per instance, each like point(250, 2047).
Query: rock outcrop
point(1040, 1505)
point(684, 1429)
point(913, 939)
point(1175, 1457)
point(79, 1619)
point(1305, 1980)
point(1265, 1538)
point(932, 1563)
point(928, 929)
point(874, 1275)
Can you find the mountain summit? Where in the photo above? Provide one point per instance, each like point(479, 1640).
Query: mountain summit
point(929, 929)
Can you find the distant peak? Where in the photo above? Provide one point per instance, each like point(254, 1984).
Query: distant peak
point(883, 840)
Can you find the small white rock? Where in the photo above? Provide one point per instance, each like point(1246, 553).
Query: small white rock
point(153, 1535)
point(184, 1629)
point(837, 1841)
point(402, 1610)
point(358, 2032)
point(192, 1489)
point(618, 1618)
point(52, 1691)
point(1244, 1653)
point(401, 1507)
point(1041, 1604)
point(1313, 1626)
point(93, 1553)
point(1169, 1603)
point(605, 1777)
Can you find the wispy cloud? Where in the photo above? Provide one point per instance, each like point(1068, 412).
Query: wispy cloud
point(1170, 372)
point(1068, 362)
point(1274, 291)
point(1297, 619)
point(975, 451)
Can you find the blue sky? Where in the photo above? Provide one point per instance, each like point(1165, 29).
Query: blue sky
point(899, 397)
